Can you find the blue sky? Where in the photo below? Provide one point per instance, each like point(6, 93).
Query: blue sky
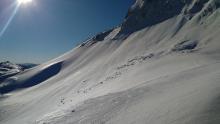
point(45, 29)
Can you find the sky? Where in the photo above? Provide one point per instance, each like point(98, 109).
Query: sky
point(45, 29)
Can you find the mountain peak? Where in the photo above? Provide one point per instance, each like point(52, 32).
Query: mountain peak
point(146, 13)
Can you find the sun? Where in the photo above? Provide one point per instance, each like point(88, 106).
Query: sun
point(24, 1)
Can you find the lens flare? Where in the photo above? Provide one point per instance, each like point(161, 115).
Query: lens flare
point(9, 21)
point(17, 5)
point(24, 1)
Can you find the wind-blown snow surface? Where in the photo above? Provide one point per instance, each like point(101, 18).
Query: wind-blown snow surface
point(166, 72)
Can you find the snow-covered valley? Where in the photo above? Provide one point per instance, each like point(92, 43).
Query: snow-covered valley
point(160, 66)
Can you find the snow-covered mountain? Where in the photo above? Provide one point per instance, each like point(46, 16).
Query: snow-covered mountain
point(8, 69)
point(160, 66)
point(26, 66)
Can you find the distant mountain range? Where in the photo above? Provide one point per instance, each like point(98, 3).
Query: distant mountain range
point(8, 69)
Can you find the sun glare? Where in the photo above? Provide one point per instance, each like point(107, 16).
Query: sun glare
point(24, 1)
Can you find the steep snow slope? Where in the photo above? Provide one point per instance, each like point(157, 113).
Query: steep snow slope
point(160, 68)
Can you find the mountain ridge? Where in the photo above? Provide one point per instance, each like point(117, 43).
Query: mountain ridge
point(146, 13)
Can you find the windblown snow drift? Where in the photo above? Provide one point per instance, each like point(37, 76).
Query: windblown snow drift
point(160, 66)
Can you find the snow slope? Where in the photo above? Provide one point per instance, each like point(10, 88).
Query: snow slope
point(160, 68)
